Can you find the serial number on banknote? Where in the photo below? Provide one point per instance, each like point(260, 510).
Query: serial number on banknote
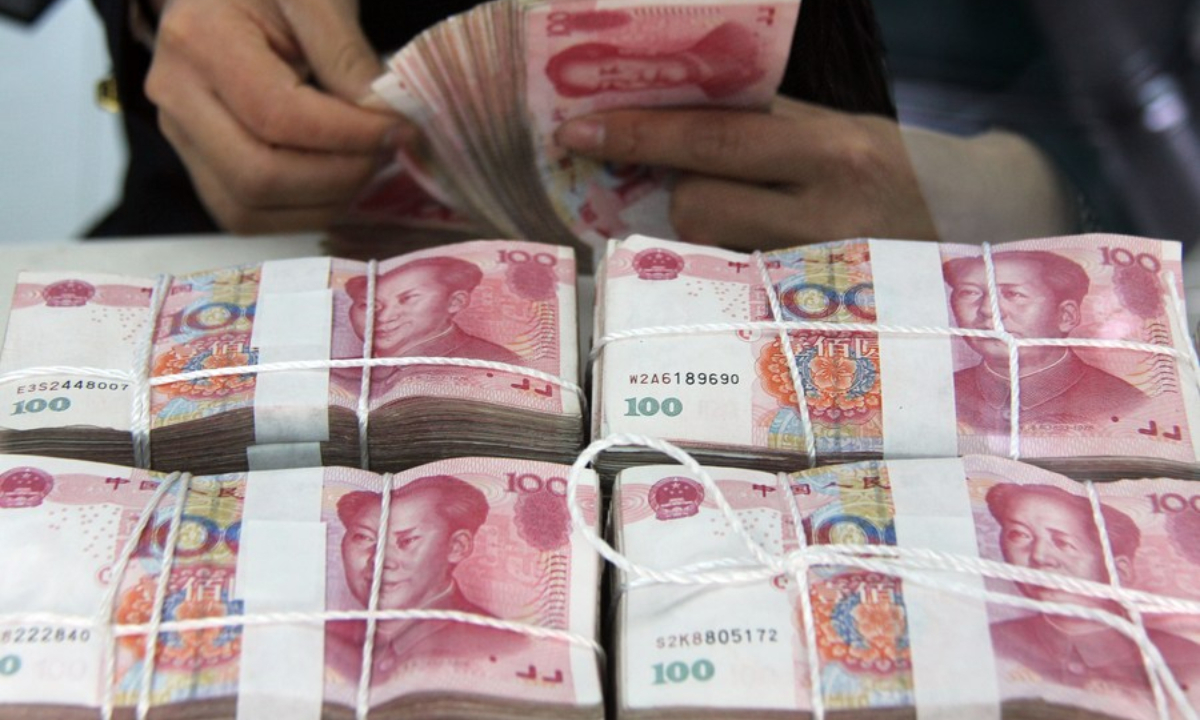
point(44, 635)
point(57, 385)
point(685, 378)
point(724, 636)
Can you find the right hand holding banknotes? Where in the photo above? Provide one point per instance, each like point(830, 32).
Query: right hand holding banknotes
point(267, 149)
point(752, 180)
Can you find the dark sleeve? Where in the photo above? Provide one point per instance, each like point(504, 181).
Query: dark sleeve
point(157, 196)
point(837, 58)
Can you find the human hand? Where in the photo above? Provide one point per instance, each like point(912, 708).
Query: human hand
point(751, 180)
point(266, 150)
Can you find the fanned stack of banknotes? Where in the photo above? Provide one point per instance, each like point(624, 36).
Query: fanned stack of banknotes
point(490, 86)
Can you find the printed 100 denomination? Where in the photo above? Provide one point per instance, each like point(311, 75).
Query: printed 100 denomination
point(73, 320)
point(883, 642)
point(493, 539)
point(737, 388)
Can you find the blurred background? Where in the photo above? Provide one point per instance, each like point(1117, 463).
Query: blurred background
point(1109, 88)
point(61, 156)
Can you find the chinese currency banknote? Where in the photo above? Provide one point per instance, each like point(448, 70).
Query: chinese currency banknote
point(1069, 352)
point(489, 87)
point(106, 566)
point(493, 322)
point(977, 587)
point(968, 587)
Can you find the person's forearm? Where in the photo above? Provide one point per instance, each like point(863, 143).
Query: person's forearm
point(990, 187)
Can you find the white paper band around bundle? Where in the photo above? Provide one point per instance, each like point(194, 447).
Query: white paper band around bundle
point(906, 259)
point(925, 568)
point(305, 358)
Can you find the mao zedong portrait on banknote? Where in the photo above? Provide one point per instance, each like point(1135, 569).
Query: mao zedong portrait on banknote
point(1046, 528)
point(415, 305)
point(432, 528)
point(1040, 295)
point(720, 64)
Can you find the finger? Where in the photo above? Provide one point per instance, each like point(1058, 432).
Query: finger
point(736, 144)
point(714, 211)
point(260, 175)
point(337, 50)
point(234, 216)
point(251, 76)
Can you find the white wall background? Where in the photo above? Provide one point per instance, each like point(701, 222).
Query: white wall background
point(61, 156)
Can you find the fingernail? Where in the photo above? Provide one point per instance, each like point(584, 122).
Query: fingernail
point(581, 135)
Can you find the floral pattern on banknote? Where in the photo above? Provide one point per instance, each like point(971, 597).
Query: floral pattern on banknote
point(206, 323)
point(200, 585)
point(840, 376)
point(860, 623)
point(859, 617)
point(600, 55)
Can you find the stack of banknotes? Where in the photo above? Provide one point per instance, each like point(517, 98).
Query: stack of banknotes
point(978, 587)
point(256, 594)
point(489, 88)
point(901, 350)
point(473, 345)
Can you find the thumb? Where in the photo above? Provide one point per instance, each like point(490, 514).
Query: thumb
point(334, 46)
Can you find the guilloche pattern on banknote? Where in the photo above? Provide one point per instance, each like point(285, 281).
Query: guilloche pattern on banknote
point(206, 323)
point(839, 371)
point(858, 616)
point(598, 55)
point(494, 539)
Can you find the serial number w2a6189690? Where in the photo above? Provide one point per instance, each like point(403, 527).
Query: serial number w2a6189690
point(685, 378)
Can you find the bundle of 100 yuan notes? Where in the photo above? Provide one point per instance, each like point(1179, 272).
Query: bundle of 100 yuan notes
point(1069, 352)
point(976, 587)
point(128, 593)
point(467, 346)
